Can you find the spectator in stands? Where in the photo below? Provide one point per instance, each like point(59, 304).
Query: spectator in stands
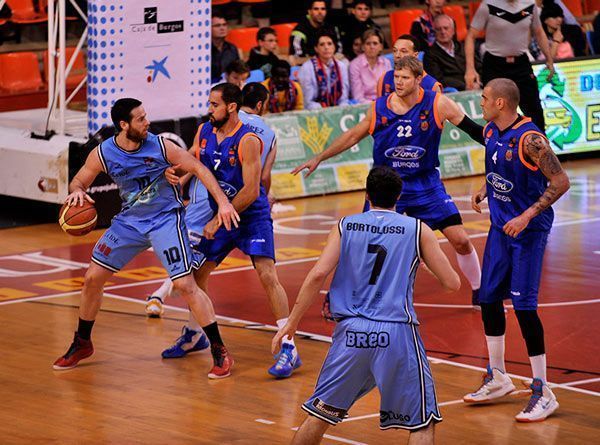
point(237, 73)
point(355, 25)
point(569, 17)
point(324, 79)
point(422, 27)
point(405, 45)
point(445, 60)
point(263, 56)
point(565, 40)
point(367, 68)
point(303, 39)
point(284, 93)
point(222, 52)
point(357, 47)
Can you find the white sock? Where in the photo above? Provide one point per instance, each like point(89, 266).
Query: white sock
point(164, 290)
point(281, 323)
point(192, 323)
point(469, 265)
point(495, 347)
point(538, 366)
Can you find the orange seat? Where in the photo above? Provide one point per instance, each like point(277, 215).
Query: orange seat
point(591, 6)
point(575, 6)
point(457, 13)
point(220, 2)
point(20, 72)
point(78, 70)
point(243, 38)
point(284, 30)
point(24, 13)
point(401, 21)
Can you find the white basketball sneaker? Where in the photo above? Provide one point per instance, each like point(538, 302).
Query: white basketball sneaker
point(154, 307)
point(496, 384)
point(541, 404)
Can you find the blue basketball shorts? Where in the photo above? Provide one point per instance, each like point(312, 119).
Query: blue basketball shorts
point(365, 354)
point(434, 207)
point(512, 268)
point(166, 233)
point(197, 214)
point(254, 237)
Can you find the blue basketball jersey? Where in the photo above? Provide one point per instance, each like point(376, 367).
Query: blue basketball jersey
point(139, 174)
point(376, 271)
point(224, 160)
point(513, 183)
point(386, 84)
point(409, 143)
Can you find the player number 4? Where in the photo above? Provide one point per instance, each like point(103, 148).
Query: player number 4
point(379, 259)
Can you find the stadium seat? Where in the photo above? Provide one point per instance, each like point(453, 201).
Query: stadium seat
point(20, 72)
point(457, 13)
point(220, 2)
point(256, 76)
point(575, 6)
point(591, 6)
point(283, 30)
point(401, 21)
point(78, 71)
point(294, 73)
point(450, 90)
point(390, 57)
point(243, 38)
point(24, 13)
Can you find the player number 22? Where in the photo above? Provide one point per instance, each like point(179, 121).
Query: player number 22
point(381, 253)
point(404, 131)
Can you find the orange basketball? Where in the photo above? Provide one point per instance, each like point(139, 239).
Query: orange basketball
point(78, 220)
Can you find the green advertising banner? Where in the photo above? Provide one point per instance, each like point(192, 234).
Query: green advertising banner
point(571, 104)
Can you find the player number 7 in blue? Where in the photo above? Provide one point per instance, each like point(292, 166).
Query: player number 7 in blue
point(379, 259)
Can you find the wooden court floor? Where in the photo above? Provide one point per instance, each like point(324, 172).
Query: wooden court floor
point(126, 394)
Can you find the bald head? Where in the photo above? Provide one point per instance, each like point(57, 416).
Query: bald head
point(505, 89)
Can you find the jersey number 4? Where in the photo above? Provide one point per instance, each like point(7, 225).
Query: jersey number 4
point(381, 253)
point(404, 131)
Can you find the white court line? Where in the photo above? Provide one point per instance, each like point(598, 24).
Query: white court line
point(266, 422)
point(582, 382)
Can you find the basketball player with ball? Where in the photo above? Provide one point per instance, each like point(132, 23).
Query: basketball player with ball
point(152, 214)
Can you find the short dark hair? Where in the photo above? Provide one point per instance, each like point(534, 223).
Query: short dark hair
point(367, 3)
point(282, 65)
point(310, 3)
point(121, 111)
point(230, 93)
point(384, 186)
point(410, 38)
point(264, 32)
point(237, 66)
point(506, 89)
point(253, 93)
point(325, 33)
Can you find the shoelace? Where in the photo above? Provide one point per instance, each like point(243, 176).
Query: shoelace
point(487, 378)
point(535, 398)
point(283, 357)
point(218, 353)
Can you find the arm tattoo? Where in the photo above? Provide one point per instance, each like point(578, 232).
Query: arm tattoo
point(539, 151)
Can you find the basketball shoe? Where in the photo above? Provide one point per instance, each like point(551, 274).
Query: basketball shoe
point(496, 384)
point(189, 341)
point(154, 307)
point(287, 361)
point(223, 362)
point(541, 404)
point(78, 350)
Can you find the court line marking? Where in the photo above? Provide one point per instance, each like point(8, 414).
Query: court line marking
point(582, 382)
point(265, 421)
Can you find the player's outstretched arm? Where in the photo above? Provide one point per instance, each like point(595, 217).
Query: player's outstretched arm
point(340, 144)
point(436, 260)
point(449, 110)
point(175, 155)
point(537, 148)
point(84, 178)
point(313, 282)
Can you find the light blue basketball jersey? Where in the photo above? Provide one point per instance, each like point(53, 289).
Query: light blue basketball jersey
point(198, 192)
point(139, 174)
point(378, 263)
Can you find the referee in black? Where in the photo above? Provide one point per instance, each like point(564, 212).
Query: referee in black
point(508, 26)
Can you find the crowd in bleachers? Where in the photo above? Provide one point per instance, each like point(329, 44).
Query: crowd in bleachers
point(311, 56)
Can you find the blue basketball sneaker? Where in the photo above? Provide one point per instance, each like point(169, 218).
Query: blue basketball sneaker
point(189, 341)
point(286, 362)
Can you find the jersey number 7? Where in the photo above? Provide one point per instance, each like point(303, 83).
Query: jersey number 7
point(381, 253)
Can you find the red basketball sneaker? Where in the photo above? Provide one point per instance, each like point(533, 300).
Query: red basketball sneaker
point(223, 362)
point(78, 350)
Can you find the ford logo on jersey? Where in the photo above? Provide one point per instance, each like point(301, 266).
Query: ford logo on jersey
point(499, 183)
point(229, 190)
point(405, 152)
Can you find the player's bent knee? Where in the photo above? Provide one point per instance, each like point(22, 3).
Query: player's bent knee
point(184, 287)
